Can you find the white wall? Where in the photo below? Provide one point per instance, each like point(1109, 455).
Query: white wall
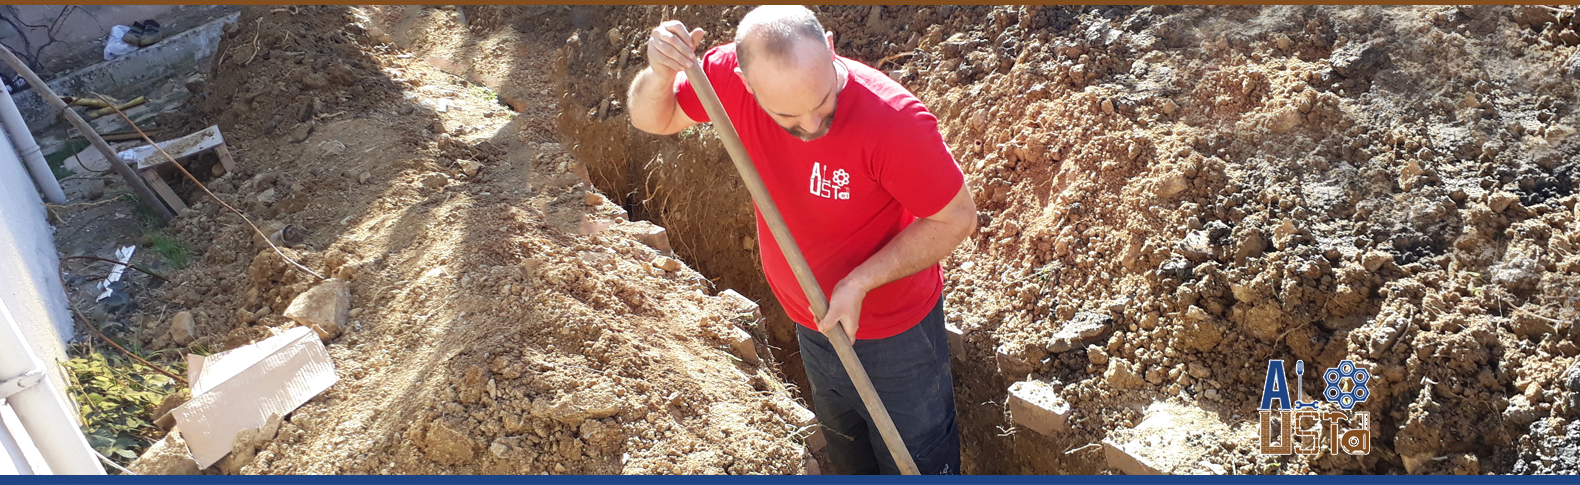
point(29, 281)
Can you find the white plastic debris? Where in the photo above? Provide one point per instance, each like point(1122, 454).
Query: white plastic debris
point(124, 255)
point(115, 47)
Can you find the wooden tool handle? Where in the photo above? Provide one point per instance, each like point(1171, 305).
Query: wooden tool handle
point(798, 265)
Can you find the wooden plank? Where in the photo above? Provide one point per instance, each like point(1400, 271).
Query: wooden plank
point(147, 156)
point(224, 158)
point(159, 186)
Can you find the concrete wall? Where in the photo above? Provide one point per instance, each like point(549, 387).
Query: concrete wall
point(81, 32)
point(29, 281)
point(127, 76)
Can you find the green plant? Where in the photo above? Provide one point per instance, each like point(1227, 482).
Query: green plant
point(484, 94)
point(116, 397)
point(57, 159)
point(174, 253)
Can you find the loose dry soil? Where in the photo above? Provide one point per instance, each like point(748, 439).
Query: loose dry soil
point(1228, 185)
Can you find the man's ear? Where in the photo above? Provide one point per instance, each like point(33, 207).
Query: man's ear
point(742, 75)
point(828, 35)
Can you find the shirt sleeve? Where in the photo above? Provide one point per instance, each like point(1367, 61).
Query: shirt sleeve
point(914, 165)
point(716, 62)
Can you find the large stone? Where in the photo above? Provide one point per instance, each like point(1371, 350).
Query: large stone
point(793, 412)
point(668, 264)
point(324, 308)
point(1173, 184)
point(1035, 405)
point(597, 402)
point(469, 167)
point(1010, 363)
point(1125, 461)
point(741, 302)
point(166, 457)
point(1083, 329)
point(243, 449)
point(1501, 200)
point(447, 446)
point(1195, 247)
point(741, 344)
point(1357, 59)
point(957, 341)
point(654, 237)
point(1172, 438)
point(183, 328)
point(815, 442)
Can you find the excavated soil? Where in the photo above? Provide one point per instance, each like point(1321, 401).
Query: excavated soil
point(1387, 185)
point(1201, 189)
point(491, 330)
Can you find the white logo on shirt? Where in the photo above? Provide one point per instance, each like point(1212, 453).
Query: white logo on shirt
point(830, 187)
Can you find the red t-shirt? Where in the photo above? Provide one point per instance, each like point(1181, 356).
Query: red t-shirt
point(846, 194)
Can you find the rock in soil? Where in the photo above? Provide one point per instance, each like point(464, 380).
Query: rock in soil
point(324, 308)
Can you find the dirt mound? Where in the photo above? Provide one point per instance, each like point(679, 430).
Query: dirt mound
point(1391, 186)
point(493, 328)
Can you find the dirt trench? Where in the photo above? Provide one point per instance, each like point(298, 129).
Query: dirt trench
point(1220, 186)
point(505, 319)
point(1212, 187)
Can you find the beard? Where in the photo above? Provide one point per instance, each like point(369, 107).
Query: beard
point(804, 136)
point(824, 126)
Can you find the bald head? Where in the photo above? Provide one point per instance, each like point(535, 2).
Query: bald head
point(783, 34)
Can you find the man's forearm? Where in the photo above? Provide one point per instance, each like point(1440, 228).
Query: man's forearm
point(652, 102)
point(922, 244)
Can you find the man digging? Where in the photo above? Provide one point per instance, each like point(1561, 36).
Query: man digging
point(871, 195)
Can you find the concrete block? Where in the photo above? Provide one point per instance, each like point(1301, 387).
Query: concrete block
point(794, 413)
point(1036, 406)
point(957, 341)
point(1172, 438)
point(741, 345)
point(1085, 328)
point(655, 237)
point(1126, 461)
point(1011, 365)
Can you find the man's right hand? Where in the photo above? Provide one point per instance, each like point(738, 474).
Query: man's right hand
point(670, 49)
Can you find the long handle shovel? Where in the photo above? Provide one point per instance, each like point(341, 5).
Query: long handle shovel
point(803, 273)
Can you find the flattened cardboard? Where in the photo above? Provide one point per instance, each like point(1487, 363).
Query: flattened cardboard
point(240, 388)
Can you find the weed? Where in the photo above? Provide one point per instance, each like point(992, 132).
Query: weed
point(174, 253)
point(483, 93)
point(116, 397)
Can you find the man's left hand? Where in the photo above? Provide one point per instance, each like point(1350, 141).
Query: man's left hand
point(844, 307)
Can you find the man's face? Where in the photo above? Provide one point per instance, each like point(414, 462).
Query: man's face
point(800, 93)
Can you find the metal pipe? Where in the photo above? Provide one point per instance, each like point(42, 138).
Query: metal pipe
point(45, 412)
point(27, 149)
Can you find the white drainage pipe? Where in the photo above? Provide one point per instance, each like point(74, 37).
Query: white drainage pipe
point(27, 150)
point(45, 413)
